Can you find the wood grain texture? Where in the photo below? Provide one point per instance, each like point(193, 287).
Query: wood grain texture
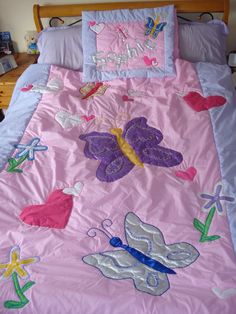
point(182, 6)
point(23, 60)
point(8, 80)
point(37, 18)
point(226, 11)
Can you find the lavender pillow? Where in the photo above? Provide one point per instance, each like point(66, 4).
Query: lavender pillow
point(203, 42)
point(61, 46)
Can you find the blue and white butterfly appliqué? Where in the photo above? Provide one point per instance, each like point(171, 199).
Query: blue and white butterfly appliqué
point(147, 259)
point(153, 28)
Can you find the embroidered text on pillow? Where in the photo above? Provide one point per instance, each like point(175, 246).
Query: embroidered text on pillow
point(119, 58)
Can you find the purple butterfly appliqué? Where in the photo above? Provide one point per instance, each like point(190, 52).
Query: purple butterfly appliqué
point(143, 141)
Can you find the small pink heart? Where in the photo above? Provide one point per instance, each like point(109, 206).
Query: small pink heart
point(92, 23)
point(187, 175)
point(149, 62)
point(126, 98)
point(27, 88)
point(88, 118)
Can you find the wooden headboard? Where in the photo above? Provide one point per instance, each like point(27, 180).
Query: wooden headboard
point(182, 6)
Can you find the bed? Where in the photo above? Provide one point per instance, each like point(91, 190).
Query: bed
point(118, 180)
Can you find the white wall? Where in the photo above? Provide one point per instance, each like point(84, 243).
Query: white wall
point(16, 16)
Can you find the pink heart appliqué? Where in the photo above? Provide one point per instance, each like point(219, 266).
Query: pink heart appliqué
point(92, 23)
point(199, 103)
point(126, 98)
point(88, 118)
point(150, 62)
point(27, 88)
point(187, 175)
point(55, 213)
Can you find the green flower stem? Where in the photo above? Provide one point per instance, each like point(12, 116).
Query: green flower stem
point(13, 163)
point(11, 304)
point(18, 289)
point(20, 160)
point(204, 228)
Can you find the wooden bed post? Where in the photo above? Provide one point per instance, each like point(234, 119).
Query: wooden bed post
point(226, 11)
point(37, 19)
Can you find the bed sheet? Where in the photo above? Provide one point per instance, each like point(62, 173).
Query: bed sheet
point(111, 237)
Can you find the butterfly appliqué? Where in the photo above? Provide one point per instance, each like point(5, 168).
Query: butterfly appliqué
point(146, 247)
point(153, 28)
point(119, 153)
point(91, 90)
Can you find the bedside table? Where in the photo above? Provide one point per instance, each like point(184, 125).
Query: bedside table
point(8, 80)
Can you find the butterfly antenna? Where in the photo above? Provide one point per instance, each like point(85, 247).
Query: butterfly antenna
point(114, 124)
point(105, 224)
point(92, 233)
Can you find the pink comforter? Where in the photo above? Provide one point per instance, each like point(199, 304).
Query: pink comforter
point(150, 207)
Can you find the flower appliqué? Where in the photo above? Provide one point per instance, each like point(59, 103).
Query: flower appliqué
point(213, 203)
point(15, 269)
point(215, 199)
point(26, 151)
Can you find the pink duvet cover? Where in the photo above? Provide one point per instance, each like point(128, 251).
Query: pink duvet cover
point(161, 257)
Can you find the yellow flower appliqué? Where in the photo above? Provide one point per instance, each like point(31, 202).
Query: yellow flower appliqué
point(16, 265)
